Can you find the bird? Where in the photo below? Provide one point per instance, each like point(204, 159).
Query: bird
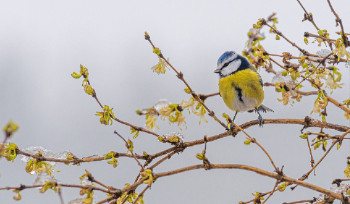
point(240, 85)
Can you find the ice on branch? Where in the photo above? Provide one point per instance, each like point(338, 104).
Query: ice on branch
point(341, 189)
point(45, 153)
point(42, 178)
point(285, 84)
point(285, 79)
point(162, 103)
point(85, 181)
point(37, 166)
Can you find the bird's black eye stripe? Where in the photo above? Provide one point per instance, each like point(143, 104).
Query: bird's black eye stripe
point(226, 64)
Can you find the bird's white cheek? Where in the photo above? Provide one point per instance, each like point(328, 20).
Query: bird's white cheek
point(232, 67)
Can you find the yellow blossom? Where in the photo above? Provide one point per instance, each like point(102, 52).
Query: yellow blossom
point(340, 49)
point(165, 111)
point(199, 110)
point(181, 119)
point(285, 97)
point(151, 122)
point(160, 67)
point(176, 116)
point(317, 107)
point(331, 83)
point(186, 104)
point(347, 116)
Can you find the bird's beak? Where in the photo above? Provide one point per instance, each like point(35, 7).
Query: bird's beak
point(217, 70)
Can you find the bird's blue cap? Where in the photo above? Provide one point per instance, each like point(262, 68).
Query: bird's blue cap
point(225, 56)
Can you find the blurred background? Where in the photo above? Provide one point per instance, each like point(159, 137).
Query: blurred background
point(43, 42)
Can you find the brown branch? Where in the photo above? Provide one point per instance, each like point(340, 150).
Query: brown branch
point(337, 104)
point(256, 170)
point(136, 127)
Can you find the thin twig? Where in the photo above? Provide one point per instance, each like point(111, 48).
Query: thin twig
point(168, 156)
point(274, 189)
point(98, 182)
point(127, 146)
point(312, 161)
point(59, 192)
point(338, 20)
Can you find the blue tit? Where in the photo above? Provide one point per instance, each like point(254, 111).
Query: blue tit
point(240, 85)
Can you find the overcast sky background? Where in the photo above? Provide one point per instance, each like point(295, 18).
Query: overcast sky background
point(43, 42)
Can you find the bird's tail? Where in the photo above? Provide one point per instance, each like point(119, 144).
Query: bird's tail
point(264, 109)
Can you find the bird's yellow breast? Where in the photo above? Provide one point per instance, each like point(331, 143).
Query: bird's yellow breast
point(242, 91)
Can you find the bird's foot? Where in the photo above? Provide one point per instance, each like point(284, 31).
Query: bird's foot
point(261, 120)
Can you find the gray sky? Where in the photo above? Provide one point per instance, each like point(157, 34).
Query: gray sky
point(43, 42)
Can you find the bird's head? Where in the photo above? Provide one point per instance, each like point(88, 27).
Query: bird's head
point(231, 62)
